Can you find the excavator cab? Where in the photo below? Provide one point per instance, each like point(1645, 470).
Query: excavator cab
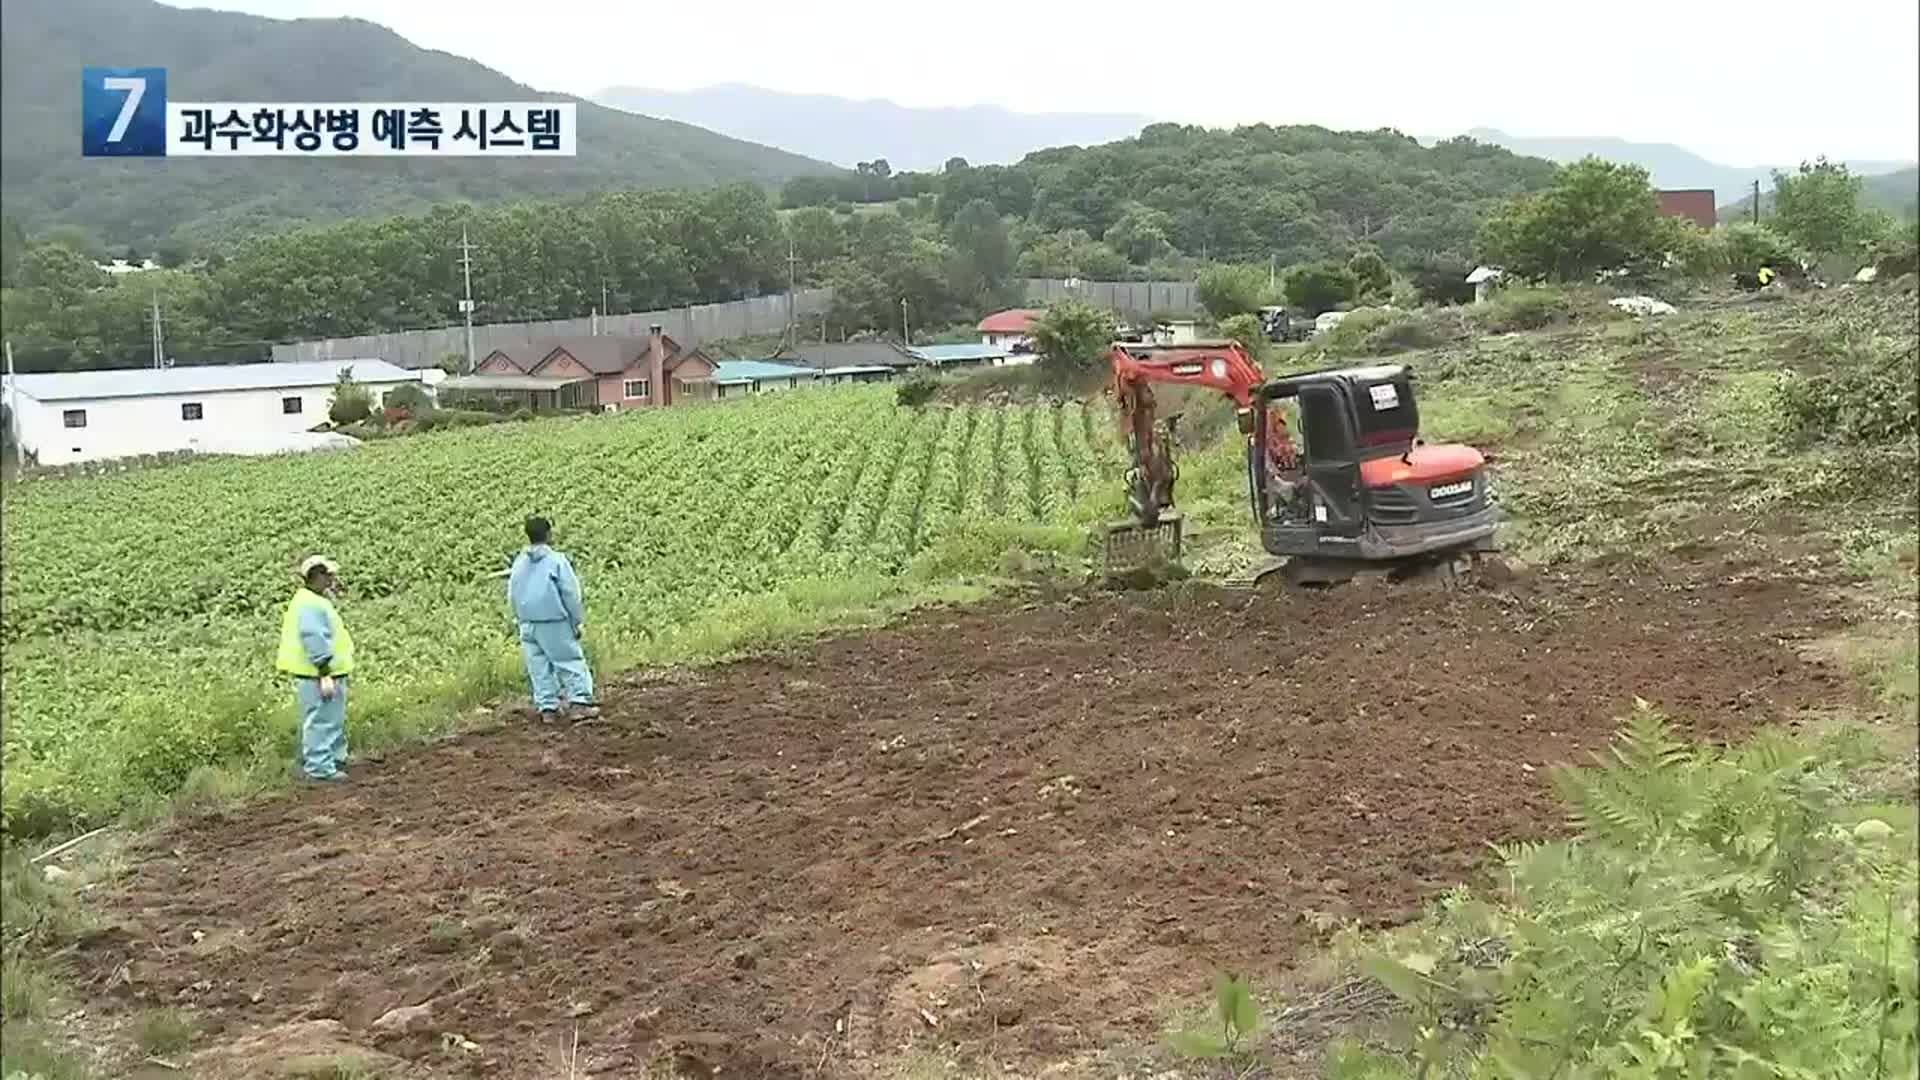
point(1367, 493)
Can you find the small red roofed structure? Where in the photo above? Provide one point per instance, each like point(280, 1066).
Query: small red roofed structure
point(1005, 329)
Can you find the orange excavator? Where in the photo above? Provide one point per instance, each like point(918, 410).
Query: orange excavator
point(1366, 496)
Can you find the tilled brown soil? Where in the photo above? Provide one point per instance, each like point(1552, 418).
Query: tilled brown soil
point(1024, 828)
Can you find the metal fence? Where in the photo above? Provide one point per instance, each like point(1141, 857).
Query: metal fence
point(687, 325)
point(1137, 298)
point(704, 322)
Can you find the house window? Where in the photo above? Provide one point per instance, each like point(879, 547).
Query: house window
point(291, 406)
point(637, 388)
point(74, 418)
point(191, 410)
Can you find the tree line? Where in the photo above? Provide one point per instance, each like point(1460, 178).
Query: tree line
point(628, 251)
point(943, 256)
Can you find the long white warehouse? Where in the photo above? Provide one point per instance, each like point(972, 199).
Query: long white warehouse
point(65, 417)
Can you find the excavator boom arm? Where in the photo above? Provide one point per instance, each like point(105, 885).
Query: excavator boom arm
point(1225, 367)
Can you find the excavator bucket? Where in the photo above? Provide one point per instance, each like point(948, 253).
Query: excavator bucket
point(1131, 545)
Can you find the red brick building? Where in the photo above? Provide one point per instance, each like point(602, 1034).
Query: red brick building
point(610, 369)
point(1694, 204)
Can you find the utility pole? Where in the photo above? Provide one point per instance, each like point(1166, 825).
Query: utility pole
point(13, 411)
point(792, 333)
point(1756, 202)
point(466, 304)
point(159, 352)
point(1272, 259)
point(906, 336)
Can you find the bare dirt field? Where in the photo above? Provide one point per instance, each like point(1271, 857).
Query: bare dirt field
point(1027, 829)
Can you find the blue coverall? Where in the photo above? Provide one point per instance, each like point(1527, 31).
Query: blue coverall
point(323, 723)
point(545, 594)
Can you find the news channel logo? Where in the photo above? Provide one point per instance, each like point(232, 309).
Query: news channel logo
point(124, 112)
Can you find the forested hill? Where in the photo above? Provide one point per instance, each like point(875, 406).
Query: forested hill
point(211, 55)
point(1897, 193)
point(1291, 194)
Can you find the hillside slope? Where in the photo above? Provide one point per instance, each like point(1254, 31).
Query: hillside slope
point(1668, 165)
point(1258, 194)
point(212, 55)
point(845, 131)
point(1895, 192)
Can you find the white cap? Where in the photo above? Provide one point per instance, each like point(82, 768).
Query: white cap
point(321, 562)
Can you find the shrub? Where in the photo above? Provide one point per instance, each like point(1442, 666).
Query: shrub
point(411, 397)
point(1898, 252)
point(1351, 335)
point(1532, 308)
point(437, 419)
point(1372, 280)
point(917, 388)
point(352, 402)
point(1226, 291)
point(1442, 279)
point(1248, 331)
point(1745, 247)
point(1385, 331)
point(1321, 287)
point(1072, 338)
point(1414, 330)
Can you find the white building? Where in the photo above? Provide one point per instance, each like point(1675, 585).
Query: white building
point(1484, 280)
point(1177, 332)
point(65, 417)
point(122, 266)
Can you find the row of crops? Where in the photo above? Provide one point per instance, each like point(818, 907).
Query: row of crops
point(140, 608)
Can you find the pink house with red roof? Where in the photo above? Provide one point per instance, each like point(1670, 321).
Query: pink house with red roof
point(1009, 329)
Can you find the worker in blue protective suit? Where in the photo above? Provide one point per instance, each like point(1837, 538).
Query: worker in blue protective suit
point(317, 651)
point(545, 594)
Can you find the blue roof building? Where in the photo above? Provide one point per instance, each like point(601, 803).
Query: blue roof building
point(967, 353)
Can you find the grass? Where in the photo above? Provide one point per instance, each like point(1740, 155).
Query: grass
point(35, 918)
point(28, 1050)
point(26, 991)
point(162, 1032)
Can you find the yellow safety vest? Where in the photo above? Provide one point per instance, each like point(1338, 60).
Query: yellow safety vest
point(1766, 274)
point(293, 655)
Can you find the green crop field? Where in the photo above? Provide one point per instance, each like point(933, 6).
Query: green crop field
point(142, 607)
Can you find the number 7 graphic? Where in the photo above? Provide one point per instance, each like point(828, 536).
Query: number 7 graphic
point(136, 89)
point(123, 112)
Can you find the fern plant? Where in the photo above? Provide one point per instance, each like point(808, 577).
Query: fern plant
point(1714, 917)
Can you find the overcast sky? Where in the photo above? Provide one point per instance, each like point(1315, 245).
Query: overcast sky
point(1753, 82)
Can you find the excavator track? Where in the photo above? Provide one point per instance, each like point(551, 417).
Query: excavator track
point(1248, 579)
point(1446, 569)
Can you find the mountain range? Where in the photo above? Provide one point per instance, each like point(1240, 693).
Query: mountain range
point(846, 132)
point(1670, 166)
point(222, 56)
point(630, 139)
